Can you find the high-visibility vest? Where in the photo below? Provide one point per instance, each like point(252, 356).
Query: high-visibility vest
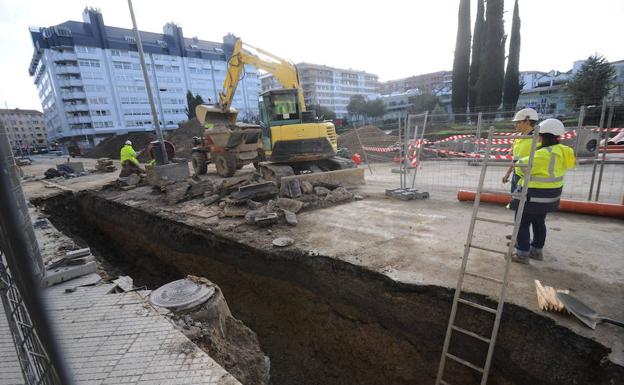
point(521, 148)
point(550, 165)
point(128, 153)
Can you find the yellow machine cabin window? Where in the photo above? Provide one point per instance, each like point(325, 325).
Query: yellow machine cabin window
point(284, 107)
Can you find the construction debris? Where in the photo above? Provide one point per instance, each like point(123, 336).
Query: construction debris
point(291, 188)
point(105, 165)
point(291, 218)
point(338, 195)
point(283, 242)
point(406, 194)
point(258, 191)
point(547, 297)
point(291, 205)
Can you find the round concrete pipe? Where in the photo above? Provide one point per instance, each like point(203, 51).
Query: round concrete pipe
point(567, 205)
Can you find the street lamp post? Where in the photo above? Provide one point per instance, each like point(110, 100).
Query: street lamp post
point(150, 97)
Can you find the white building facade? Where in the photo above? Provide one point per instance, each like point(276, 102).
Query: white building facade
point(91, 85)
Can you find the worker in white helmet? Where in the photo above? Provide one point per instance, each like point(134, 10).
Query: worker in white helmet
point(129, 162)
point(550, 164)
point(524, 123)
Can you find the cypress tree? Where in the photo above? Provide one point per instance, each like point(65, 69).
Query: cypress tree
point(477, 43)
point(512, 87)
point(492, 66)
point(461, 61)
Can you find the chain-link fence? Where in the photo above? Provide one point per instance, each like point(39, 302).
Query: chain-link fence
point(441, 152)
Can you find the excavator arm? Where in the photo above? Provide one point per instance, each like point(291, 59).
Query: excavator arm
point(283, 70)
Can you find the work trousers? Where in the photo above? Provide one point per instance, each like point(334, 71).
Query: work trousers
point(128, 168)
point(538, 223)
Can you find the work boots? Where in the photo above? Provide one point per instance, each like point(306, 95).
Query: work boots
point(536, 254)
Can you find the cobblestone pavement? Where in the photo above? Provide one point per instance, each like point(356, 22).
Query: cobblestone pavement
point(117, 339)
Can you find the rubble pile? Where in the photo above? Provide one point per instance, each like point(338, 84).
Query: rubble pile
point(258, 202)
point(105, 165)
point(65, 171)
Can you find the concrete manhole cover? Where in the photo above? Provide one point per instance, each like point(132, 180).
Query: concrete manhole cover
point(181, 294)
point(283, 242)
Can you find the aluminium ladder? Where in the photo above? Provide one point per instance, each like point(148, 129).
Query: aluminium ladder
point(491, 340)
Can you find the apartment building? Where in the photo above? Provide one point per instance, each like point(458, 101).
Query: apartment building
point(25, 128)
point(426, 83)
point(329, 87)
point(91, 85)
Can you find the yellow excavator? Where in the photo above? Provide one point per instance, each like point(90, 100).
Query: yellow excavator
point(294, 142)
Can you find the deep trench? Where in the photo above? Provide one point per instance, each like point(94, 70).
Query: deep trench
point(325, 321)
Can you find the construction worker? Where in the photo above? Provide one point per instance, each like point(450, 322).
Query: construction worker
point(550, 164)
point(524, 123)
point(129, 162)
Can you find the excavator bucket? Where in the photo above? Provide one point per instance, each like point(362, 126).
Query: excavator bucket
point(212, 114)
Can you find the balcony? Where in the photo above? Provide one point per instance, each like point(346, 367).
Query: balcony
point(70, 83)
point(61, 70)
point(73, 95)
point(79, 119)
point(76, 107)
point(64, 57)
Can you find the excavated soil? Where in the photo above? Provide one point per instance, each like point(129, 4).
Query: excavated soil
point(110, 147)
point(325, 321)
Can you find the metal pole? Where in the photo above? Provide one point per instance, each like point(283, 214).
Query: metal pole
point(597, 150)
point(400, 154)
point(148, 86)
point(19, 245)
point(406, 146)
point(419, 147)
point(363, 150)
point(478, 133)
point(604, 153)
point(578, 130)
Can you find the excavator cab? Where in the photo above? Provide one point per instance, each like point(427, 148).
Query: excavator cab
point(280, 107)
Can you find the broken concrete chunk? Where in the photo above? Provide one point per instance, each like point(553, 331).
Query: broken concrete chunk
point(200, 187)
point(250, 217)
point(283, 242)
point(257, 191)
point(358, 197)
point(176, 192)
point(132, 180)
point(338, 195)
point(307, 188)
point(291, 189)
point(254, 205)
point(234, 211)
point(291, 218)
point(192, 333)
point(210, 199)
point(78, 253)
point(321, 191)
point(265, 219)
point(289, 204)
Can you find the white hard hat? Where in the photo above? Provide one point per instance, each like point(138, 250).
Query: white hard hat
point(525, 113)
point(551, 126)
point(128, 142)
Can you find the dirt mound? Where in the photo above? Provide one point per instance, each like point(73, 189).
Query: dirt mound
point(182, 138)
point(110, 147)
point(370, 136)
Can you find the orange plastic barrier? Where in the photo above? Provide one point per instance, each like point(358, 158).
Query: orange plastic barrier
point(567, 205)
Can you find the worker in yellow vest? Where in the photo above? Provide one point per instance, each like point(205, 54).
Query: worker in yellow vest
point(550, 164)
point(524, 123)
point(129, 162)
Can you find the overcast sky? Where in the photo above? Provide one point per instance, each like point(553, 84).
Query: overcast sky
point(390, 38)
